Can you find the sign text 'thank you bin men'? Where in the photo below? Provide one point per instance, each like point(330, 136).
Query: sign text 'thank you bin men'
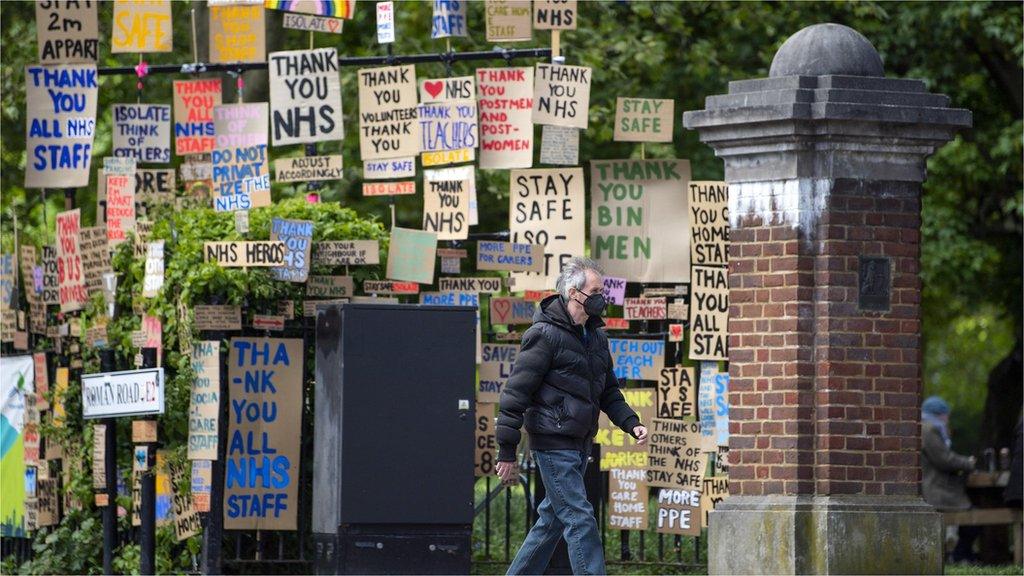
point(262, 466)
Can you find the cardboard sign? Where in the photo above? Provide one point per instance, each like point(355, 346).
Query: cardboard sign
point(142, 132)
point(385, 22)
point(388, 120)
point(638, 208)
point(402, 188)
point(238, 33)
point(51, 291)
point(204, 403)
point(709, 314)
point(619, 449)
point(512, 311)
point(153, 281)
point(446, 202)
point(187, 522)
point(713, 400)
point(67, 32)
point(615, 290)
point(202, 484)
point(637, 359)
point(297, 236)
point(245, 254)
point(714, 490)
point(389, 287)
point(211, 317)
point(308, 168)
point(561, 95)
point(305, 96)
point(391, 168)
point(546, 207)
point(144, 431)
point(559, 145)
point(339, 8)
point(99, 452)
point(555, 15)
point(643, 120)
point(508, 21)
point(678, 310)
point(677, 393)
point(346, 252)
point(447, 89)
point(241, 176)
point(310, 23)
point(644, 309)
point(679, 512)
point(95, 256)
point(627, 499)
point(42, 380)
point(264, 428)
point(119, 175)
point(448, 126)
point(486, 285)
point(330, 287)
point(449, 19)
point(509, 256)
point(506, 117)
point(675, 332)
point(70, 275)
point(47, 502)
point(486, 453)
point(411, 255)
point(709, 223)
point(141, 26)
point(194, 101)
point(496, 363)
point(60, 122)
point(153, 188)
point(674, 457)
point(125, 393)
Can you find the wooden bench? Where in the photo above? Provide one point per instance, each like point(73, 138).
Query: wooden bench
point(991, 517)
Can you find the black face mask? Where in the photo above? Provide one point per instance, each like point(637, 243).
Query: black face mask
point(595, 303)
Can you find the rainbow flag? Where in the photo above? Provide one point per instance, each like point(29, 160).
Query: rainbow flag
point(337, 8)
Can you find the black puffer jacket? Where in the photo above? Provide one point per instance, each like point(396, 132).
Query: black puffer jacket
point(559, 384)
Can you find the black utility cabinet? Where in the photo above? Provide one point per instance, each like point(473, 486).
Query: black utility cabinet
point(393, 452)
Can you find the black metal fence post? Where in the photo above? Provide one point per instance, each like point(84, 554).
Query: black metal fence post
point(108, 363)
point(147, 509)
point(213, 532)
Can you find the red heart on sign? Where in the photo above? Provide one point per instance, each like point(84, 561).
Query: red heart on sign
point(500, 309)
point(433, 88)
point(333, 24)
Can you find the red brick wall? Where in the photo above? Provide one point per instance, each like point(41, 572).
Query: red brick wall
point(824, 398)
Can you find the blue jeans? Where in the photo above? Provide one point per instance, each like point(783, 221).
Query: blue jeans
point(565, 511)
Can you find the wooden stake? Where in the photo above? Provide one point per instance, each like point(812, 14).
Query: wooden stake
point(556, 44)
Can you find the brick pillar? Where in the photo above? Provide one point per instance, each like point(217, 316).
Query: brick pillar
point(824, 161)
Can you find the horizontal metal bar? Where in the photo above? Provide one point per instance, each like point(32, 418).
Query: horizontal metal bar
point(202, 67)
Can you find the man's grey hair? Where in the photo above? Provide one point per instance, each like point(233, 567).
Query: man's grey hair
point(574, 274)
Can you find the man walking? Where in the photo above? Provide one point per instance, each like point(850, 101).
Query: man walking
point(563, 377)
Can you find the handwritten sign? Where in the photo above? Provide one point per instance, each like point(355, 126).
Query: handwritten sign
point(391, 168)
point(119, 175)
point(241, 176)
point(449, 126)
point(449, 19)
point(619, 449)
point(204, 404)
point(485, 285)
point(679, 512)
point(389, 287)
point(95, 256)
point(674, 457)
point(339, 8)
point(508, 20)
point(238, 33)
point(447, 89)
point(51, 291)
point(411, 255)
point(346, 252)
point(153, 280)
point(60, 123)
point(126, 393)
point(153, 188)
point(305, 96)
point(509, 256)
point(714, 490)
point(401, 188)
point(297, 236)
point(67, 32)
point(511, 311)
point(330, 287)
point(554, 15)
point(311, 23)
point(561, 95)
point(713, 400)
point(615, 290)
point(70, 276)
point(678, 310)
point(187, 522)
point(643, 120)
point(194, 101)
point(388, 120)
point(486, 439)
point(497, 361)
point(506, 117)
point(546, 207)
point(559, 145)
point(638, 208)
point(261, 477)
point(644, 309)
point(677, 393)
point(385, 22)
point(245, 254)
point(446, 202)
point(637, 359)
point(47, 502)
point(308, 168)
point(141, 26)
point(214, 317)
point(709, 314)
point(709, 223)
point(627, 499)
point(202, 484)
point(143, 132)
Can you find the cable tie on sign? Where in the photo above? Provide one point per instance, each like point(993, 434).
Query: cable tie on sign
point(195, 68)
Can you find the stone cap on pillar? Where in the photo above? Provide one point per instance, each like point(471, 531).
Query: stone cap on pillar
point(826, 111)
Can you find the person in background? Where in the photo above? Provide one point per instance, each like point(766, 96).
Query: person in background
point(944, 472)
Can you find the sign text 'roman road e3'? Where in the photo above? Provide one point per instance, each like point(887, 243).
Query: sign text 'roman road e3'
point(127, 393)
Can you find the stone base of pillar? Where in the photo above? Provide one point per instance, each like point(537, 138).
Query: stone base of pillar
point(824, 535)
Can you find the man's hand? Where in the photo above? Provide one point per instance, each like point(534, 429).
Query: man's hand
point(641, 434)
point(508, 472)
